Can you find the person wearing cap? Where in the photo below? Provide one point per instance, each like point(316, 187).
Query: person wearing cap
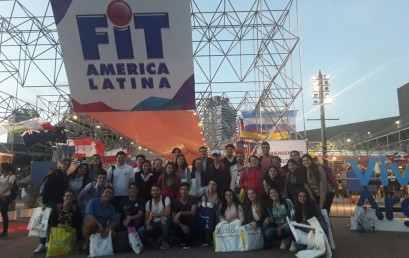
point(218, 174)
point(229, 160)
point(206, 162)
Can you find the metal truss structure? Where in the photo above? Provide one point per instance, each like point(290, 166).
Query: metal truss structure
point(245, 57)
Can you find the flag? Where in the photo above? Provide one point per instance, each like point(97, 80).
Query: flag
point(87, 147)
point(264, 122)
point(31, 137)
point(110, 156)
point(280, 135)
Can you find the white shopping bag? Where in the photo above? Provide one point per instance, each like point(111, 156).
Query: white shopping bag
point(318, 245)
point(134, 240)
point(227, 237)
point(330, 235)
point(252, 238)
point(301, 237)
point(99, 246)
point(39, 222)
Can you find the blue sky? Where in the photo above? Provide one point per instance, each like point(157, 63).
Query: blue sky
point(363, 46)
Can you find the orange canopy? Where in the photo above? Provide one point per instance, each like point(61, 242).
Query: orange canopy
point(160, 131)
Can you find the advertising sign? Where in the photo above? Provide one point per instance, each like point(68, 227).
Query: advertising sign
point(125, 55)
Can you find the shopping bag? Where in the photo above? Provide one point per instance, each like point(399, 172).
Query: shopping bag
point(363, 219)
point(99, 246)
point(62, 242)
point(330, 235)
point(252, 238)
point(193, 190)
point(242, 195)
point(300, 236)
point(38, 223)
point(134, 240)
point(318, 245)
point(206, 216)
point(226, 237)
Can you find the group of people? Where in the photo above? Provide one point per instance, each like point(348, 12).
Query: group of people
point(158, 200)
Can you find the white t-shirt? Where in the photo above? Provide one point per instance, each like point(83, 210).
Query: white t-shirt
point(4, 182)
point(122, 177)
point(157, 208)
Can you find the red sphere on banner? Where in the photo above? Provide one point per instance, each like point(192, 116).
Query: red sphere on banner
point(119, 13)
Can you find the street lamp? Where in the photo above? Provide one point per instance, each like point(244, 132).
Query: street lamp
point(321, 97)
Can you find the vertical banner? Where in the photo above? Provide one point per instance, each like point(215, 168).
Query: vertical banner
point(123, 55)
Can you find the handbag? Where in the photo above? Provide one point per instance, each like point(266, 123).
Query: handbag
point(227, 238)
point(242, 194)
point(252, 238)
point(99, 246)
point(62, 242)
point(38, 223)
point(134, 240)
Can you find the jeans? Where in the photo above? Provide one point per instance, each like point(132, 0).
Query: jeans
point(4, 206)
point(271, 234)
point(160, 229)
point(185, 238)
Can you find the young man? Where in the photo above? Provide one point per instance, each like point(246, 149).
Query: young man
point(206, 163)
point(139, 160)
point(265, 158)
point(100, 216)
point(157, 168)
point(229, 160)
point(120, 176)
point(131, 209)
point(235, 173)
point(217, 172)
point(183, 216)
point(93, 190)
point(157, 217)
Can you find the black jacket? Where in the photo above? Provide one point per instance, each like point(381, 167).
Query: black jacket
point(55, 186)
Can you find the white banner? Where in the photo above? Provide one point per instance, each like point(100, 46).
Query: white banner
point(284, 147)
point(126, 55)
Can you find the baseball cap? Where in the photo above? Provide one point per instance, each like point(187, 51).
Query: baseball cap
point(216, 153)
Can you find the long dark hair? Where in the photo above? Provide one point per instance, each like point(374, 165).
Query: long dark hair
point(277, 182)
point(247, 202)
point(223, 206)
point(73, 175)
point(143, 162)
point(280, 198)
point(301, 176)
point(309, 207)
point(314, 167)
point(98, 167)
point(167, 177)
point(177, 165)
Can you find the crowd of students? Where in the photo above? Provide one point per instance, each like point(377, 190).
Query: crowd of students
point(160, 200)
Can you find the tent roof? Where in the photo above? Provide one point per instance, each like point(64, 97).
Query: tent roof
point(160, 131)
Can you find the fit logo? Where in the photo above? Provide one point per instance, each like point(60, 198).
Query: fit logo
point(92, 34)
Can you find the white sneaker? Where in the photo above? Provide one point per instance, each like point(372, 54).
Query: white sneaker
point(293, 247)
point(283, 245)
point(40, 248)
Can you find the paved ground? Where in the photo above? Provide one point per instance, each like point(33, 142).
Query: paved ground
point(349, 244)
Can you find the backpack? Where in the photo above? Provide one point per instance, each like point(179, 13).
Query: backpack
point(163, 203)
point(112, 176)
point(14, 190)
point(330, 176)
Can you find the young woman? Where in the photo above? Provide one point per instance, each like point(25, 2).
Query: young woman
point(295, 179)
point(182, 169)
point(95, 168)
point(67, 215)
point(252, 177)
point(317, 182)
point(7, 179)
point(78, 179)
point(255, 210)
point(169, 181)
point(144, 180)
point(277, 228)
point(230, 208)
point(274, 179)
point(304, 209)
point(197, 176)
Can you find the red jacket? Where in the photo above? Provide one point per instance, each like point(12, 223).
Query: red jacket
point(252, 178)
point(171, 191)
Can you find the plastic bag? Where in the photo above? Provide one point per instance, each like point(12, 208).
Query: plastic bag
point(62, 242)
point(206, 216)
point(363, 219)
point(134, 240)
point(99, 246)
point(39, 222)
point(227, 237)
point(252, 238)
